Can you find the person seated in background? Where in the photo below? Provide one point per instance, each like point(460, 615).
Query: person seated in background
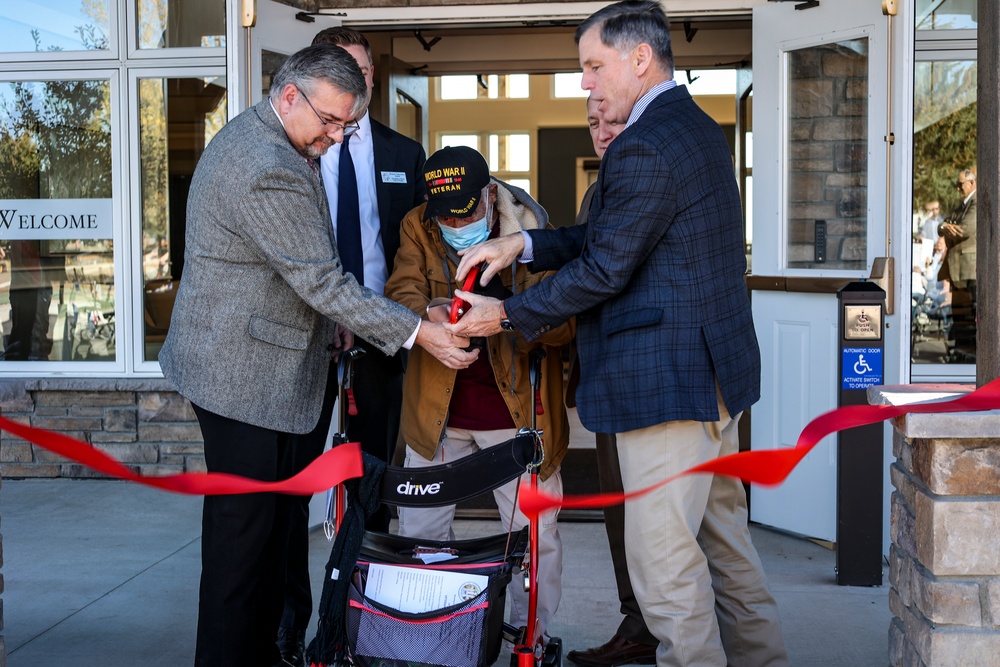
point(931, 218)
point(918, 282)
point(448, 415)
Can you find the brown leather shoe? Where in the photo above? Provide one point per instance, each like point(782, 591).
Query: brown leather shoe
point(618, 651)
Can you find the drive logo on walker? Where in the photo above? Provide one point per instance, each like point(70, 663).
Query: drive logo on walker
point(408, 489)
point(861, 367)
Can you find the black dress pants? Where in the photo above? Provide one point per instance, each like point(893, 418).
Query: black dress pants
point(244, 546)
point(378, 394)
point(297, 595)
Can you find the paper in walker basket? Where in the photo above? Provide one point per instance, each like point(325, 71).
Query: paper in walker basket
point(416, 590)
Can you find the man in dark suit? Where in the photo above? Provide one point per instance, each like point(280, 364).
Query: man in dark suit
point(387, 170)
point(668, 354)
point(251, 332)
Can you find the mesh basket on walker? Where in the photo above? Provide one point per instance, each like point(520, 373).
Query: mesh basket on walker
point(463, 634)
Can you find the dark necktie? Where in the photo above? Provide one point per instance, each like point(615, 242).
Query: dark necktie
point(349, 216)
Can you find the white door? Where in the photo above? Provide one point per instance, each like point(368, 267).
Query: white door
point(819, 220)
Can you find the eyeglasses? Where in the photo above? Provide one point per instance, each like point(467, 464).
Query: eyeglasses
point(348, 129)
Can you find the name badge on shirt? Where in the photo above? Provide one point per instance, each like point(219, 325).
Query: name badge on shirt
point(394, 177)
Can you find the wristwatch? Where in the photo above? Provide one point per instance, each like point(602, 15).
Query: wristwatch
point(505, 322)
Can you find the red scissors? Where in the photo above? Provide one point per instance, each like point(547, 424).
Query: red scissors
point(459, 305)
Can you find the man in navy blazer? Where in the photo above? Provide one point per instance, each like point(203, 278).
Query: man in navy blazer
point(389, 183)
point(668, 354)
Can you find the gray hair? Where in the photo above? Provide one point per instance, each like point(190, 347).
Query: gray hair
point(327, 64)
point(626, 25)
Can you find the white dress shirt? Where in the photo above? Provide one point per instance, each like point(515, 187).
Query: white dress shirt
point(363, 155)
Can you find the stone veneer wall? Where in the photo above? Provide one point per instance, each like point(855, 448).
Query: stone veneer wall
point(142, 423)
point(944, 563)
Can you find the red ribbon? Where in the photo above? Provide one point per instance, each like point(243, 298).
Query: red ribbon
point(764, 467)
point(332, 468)
point(770, 467)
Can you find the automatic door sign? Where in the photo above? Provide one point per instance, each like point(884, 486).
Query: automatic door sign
point(861, 367)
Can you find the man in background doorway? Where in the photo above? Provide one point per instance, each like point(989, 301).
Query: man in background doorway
point(632, 643)
point(372, 180)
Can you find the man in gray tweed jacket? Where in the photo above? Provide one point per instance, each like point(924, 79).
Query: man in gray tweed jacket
point(253, 329)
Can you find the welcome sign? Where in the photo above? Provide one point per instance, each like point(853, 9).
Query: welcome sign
point(51, 219)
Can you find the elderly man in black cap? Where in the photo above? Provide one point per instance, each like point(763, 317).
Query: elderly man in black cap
point(447, 414)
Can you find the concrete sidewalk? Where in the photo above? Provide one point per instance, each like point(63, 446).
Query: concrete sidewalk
point(102, 573)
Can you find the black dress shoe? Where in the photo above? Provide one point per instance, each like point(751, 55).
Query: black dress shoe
point(292, 647)
point(617, 651)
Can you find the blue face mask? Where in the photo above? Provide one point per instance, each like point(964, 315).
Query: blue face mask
point(469, 235)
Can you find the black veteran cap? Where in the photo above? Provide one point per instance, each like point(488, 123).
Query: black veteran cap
point(455, 178)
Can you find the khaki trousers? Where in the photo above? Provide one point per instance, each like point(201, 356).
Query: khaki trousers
point(434, 523)
point(693, 568)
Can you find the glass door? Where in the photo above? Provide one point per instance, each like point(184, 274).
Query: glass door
point(943, 269)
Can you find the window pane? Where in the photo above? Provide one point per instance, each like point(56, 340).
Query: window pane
point(828, 156)
point(459, 87)
point(167, 24)
point(44, 25)
point(494, 156)
point(57, 293)
point(947, 15)
point(518, 86)
point(177, 119)
point(567, 84)
point(943, 275)
point(709, 81)
point(493, 86)
point(523, 183)
point(518, 152)
point(270, 63)
point(470, 140)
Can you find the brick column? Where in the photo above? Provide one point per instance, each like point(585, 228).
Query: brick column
point(944, 562)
